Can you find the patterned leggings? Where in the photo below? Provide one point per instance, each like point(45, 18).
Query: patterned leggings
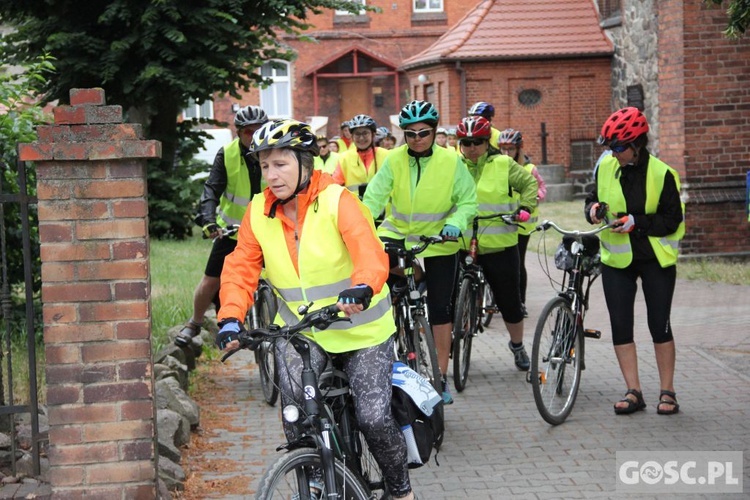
point(369, 371)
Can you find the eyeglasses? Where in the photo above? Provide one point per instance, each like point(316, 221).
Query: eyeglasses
point(508, 149)
point(362, 133)
point(473, 142)
point(412, 134)
point(620, 148)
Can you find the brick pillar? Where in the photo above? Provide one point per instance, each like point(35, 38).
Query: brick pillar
point(91, 186)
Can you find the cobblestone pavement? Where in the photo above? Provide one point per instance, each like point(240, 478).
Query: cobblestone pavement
point(497, 445)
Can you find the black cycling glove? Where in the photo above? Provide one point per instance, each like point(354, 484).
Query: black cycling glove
point(360, 294)
point(230, 330)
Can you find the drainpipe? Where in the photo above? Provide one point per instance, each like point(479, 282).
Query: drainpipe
point(462, 89)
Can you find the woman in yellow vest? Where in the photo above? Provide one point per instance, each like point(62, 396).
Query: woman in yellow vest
point(511, 143)
point(319, 245)
point(498, 178)
point(358, 165)
point(431, 192)
point(634, 184)
point(233, 180)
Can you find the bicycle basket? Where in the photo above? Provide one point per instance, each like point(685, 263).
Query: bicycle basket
point(590, 265)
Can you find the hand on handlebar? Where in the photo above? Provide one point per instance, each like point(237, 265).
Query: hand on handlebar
point(522, 214)
point(598, 212)
point(211, 230)
point(354, 300)
point(450, 231)
point(228, 338)
point(625, 224)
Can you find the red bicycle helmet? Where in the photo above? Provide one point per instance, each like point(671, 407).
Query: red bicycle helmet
point(623, 127)
point(474, 126)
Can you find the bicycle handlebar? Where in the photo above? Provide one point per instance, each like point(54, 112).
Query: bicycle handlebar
point(399, 251)
point(545, 225)
point(320, 319)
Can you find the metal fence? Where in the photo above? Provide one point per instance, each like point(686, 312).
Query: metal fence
point(17, 206)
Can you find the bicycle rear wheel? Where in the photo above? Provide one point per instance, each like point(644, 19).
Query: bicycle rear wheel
point(292, 474)
point(264, 355)
point(555, 361)
point(426, 360)
point(464, 329)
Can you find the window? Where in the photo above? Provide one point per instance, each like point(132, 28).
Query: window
point(276, 99)
point(428, 5)
point(582, 155)
point(347, 13)
point(608, 9)
point(529, 97)
point(195, 110)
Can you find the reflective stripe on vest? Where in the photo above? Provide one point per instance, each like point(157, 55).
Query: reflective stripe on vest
point(529, 226)
point(424, 211)
point(616, 249)
point(493, 198)
point(325, 269)
point(233, 201)
point(354, 171)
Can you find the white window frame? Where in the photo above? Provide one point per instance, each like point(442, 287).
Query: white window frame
point(198, 111)
point(270, 96)
point(347, 13)
point(427, 7)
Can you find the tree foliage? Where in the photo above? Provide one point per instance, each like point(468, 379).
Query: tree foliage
point(153, 56)
point(739, 17)
point(19, 115)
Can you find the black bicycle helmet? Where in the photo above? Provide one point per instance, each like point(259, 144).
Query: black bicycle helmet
point(250, 115)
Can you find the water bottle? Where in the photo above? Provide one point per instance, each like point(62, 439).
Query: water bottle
point(412, 451)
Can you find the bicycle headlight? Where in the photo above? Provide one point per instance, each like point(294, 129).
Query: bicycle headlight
point(291, 413)
point(469, 260)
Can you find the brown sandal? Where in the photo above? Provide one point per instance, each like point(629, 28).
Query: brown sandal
point(672, 401)
point(633, 406)
point(185, 336)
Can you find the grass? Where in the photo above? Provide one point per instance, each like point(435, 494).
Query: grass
point(176, 269)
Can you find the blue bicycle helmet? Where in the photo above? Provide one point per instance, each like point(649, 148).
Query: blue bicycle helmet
point(482, 108)
point(418, 112)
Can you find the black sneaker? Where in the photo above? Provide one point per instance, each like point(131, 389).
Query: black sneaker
point(520, 356)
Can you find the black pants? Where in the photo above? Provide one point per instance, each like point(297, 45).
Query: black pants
point(620, 287)
point(523, 243)
point(502, 273)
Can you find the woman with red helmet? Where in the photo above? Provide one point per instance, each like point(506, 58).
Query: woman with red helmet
point(498, 177)
point(644, 192)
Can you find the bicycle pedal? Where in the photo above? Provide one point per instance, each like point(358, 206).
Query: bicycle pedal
point(592, 334)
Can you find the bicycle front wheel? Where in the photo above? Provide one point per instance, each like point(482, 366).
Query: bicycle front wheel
point(299, 475)
point(556, 361)
point(426, 360)
point(464, 329)
point(264, 355)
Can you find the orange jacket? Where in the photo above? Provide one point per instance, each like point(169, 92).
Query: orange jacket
point(242, 268)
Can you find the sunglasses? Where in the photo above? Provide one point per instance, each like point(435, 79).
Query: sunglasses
point(620, 148)
point(472, 142)
point(411, 134)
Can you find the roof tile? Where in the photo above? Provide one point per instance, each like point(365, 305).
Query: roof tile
point(520, 28)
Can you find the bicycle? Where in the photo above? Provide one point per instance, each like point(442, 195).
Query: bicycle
point(261, 315)
point(557, 354)
point(415, 343)
point(474, 304)
point(329, 458)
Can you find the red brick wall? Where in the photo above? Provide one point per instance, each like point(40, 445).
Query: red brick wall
point(91, 188)
point(575, 99)
point(706, 135)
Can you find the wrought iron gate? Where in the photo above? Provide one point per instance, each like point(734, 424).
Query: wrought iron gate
point(8, 407)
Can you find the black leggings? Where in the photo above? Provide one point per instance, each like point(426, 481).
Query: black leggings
point(620, 287)
point(523, 243)
point(501, 272)
point(369, 371)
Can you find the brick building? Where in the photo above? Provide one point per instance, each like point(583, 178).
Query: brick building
point(565, 64)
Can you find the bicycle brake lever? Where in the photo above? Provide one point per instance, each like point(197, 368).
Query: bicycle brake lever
point(229, 353)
